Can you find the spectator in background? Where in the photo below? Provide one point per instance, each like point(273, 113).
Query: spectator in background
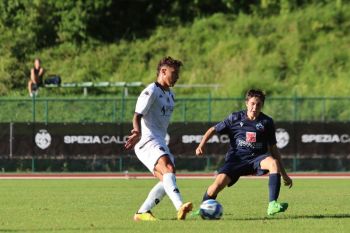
point(36, 77)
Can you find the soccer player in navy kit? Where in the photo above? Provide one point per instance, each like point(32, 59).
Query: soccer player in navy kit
point(252, 151)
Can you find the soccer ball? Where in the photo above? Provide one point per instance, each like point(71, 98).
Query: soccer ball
point(211, 209)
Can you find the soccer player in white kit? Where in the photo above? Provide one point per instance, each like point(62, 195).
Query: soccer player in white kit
point(150, 122)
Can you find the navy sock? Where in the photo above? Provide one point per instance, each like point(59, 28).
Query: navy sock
point(207, 197)
point(274, 186)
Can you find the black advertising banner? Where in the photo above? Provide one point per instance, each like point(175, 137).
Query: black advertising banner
point(323, 140)
point(303, 139)
point(314, 139)
point(287, 143)
point(66, 140)
point(184, 139)
point(5, 135)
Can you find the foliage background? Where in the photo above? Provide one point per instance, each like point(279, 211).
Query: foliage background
point(285, 47)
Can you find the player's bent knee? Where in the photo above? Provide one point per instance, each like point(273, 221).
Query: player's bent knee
point(273, 166)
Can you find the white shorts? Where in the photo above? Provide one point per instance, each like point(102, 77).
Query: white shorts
point(150, 151)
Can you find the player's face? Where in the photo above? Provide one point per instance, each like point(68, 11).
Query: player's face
point(254, 106)
point(170, 76)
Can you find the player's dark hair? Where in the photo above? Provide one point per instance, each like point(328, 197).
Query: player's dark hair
point(255, 93)
point(169, 61)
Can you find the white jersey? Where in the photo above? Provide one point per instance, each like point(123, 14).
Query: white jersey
point(156, 107)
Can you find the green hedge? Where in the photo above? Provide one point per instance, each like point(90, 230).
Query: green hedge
point(301, 52)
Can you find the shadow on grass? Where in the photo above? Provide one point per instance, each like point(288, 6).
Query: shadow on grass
point(279, 217)
point(70, 229)
point(228, 217)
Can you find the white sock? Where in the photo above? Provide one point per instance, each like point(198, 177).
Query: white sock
point(154, 197)
point(169, 183)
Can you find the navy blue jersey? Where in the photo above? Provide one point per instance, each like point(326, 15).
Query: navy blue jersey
point(248, 138)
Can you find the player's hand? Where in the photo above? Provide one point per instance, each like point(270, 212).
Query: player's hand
point(199, 151)
point(287, 181)
point(133, 139)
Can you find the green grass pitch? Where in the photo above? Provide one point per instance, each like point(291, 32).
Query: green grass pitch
point(315, 205)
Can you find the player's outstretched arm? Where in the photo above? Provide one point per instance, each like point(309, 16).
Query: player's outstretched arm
point(135, 132)
point(276, 154)
point(200, 149)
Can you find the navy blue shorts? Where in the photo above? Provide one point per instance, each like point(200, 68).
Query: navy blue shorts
point(251, 167)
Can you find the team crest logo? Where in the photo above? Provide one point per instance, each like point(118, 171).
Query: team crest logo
point(282, 138)
point(260, 127)
point(43, 139)
point(250, 137)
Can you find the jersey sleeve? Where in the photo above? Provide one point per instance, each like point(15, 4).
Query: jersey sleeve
point(271, 133)
point(223, 126)
point(144, 101)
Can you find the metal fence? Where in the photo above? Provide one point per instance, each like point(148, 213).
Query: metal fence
point(204, 109)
